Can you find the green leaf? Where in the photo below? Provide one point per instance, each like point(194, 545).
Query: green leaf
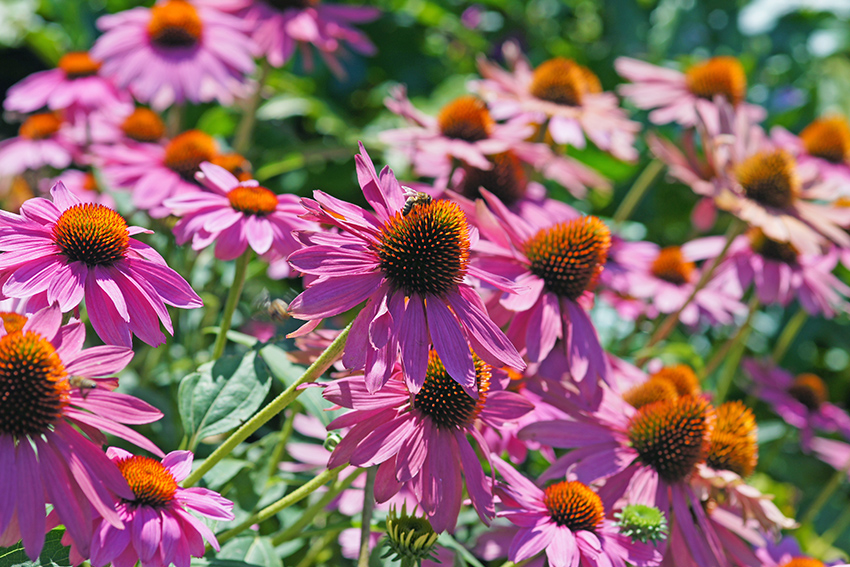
point(54, 554)
point(221, 395)
point(253, 550)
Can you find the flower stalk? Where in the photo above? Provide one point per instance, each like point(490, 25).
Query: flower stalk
point(232, 301)
point(245, 129)
point(366, 525)
point(789, 333)
point(642, 184)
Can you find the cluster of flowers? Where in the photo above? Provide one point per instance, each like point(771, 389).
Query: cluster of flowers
point(476, 290)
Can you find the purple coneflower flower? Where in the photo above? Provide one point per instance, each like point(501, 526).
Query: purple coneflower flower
point(672, 95)
point(824, 143)
point(83, 184)
point(175, 51)
point(158, 526)
point(49, 392)
point(236, 214)
point(561, 95)
point(70, 250)
point(43, 139)
point(408, 261)
point(420, 439)
point(567, 521)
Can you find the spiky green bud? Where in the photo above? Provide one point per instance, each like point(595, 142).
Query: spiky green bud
point(410, 539)
point(642, 523)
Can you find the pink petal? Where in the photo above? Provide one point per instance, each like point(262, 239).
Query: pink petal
point(450, 344)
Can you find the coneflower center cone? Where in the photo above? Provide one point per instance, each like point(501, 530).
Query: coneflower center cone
point(734, 440)
point(187, 151)
point(569, 256)
point(33, 385)
point(573, 505)
point(671, 436)
point(682, 377)
point(78, 64)
point(91, 233)
point(443, 400)
point(284, 4)
point(427, 250)
point(563, 81)
point(828, 138)
point(12, 321)
point(235, 164)
point(771, 249)
point(506, 180)
point(653, 390)
point(671, 266)
point(769, 179)
point(466, 118)
point(809, 390)
point(149, 480)
point(256, 200)
point(718, 76)
point(803, 562)
point(143, 125)
point(40, 126)
point(175, 24)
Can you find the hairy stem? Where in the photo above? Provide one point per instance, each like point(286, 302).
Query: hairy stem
point(789, 333)
point(637, 191)
point(366, 525)
point(232, 301)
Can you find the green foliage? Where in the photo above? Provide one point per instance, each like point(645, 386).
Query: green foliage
point(54, 554)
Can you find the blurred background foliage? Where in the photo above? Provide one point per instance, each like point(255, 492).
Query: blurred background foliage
point(796, 53)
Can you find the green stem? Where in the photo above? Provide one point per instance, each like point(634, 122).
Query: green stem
point(641, 185)
point(837, 528)
point(174, 122)
point(735, 348)
point(293, 497)
point(276, 406)
point(283, 438)
point(366, 525)
point(789, 333)
point(667, 326)
point(825, 494)
point(741, 334)
point(232, 301)
point(317, 548)
point(296, 530)
point(245, 130)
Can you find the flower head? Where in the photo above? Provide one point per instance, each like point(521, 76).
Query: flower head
point(158, 505)
point(409, 537)
point(175, 51)
point(50, 389)
point(70, 250)
point(824, 144)
point(43, 139)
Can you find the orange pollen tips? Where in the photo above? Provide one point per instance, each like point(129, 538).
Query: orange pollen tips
point(33, 385)
point(683, 378)
point(255, 200)
point(671, 266)
point(569, 256)
point(653, 390)
point(425, 251)
point(672, 436)
point(563, 81)
point(769, 178)
point(828, 138)
point(443, 399)
point(187, 151)
point(40, 126)
point(93, 234)
point(466, 118)
point(573, 505)
point(506, 180)
point(235, 164)
point(809, 390)
point(78, 64)
point(175, 24)
point(12, 321)
point(149, 480)
point(803, 562)
point(734, 440)
point(143, 125)
point(90, 183)
point(718, 76)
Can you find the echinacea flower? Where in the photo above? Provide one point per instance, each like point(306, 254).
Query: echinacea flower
point(158, 526)
point(236, 214)
point(42, 140)
point(824, 143)
point(672, 95)
point(71, 250)
point(83, 184)
point(564, 97)
point(409, 267)
point(567, 521)
point(802, 401)
point(174, 52)
point(53, 408)
point(420, 439)
point(74, 85)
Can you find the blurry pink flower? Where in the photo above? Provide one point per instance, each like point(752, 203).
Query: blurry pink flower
point(421, 438)
point(175, 52)
point(410, 268)
point(672, 95)
point(83, 184)
point(158, 527)
point(567, 521)
point(43, 139)
point(561, 95)
point(72, 250)
point(824, 143)
point(48, 390)
point(236, 214)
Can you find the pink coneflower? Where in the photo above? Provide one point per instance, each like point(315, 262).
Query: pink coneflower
point(559, 263)
point(48, 393)
point(236, 214)
point(83, 184)
point(175, 51)
point(672, 95)
point(74, 85)
point(409, 264)
point(72, 250)
point(160, 510)
point(43, 140)
point(824, 143)
point(622, 279)
point(787, 553)
point(802, 401)
point(567, 521)
point(421, 438)
point(155, 172)
point(561, 95)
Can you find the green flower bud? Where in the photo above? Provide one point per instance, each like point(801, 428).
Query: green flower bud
point(410, 539)
point(642, 523)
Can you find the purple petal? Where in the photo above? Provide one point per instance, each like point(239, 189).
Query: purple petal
point(384, 442)
point(451, 345)
point(179, 464)
point(30, 500)
point(477, 485)
point(99, 361)
point(489, 341)
point(326, 298)
point(414, 341)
